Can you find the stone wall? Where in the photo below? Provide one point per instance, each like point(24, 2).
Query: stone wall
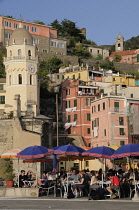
point(126, 67)
point(73, 60)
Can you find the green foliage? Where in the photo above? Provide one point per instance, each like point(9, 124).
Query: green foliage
point(81, 51)
point(135, 74)
point(99, 57)
point(106, 64)
point(2, 68)
point(132, 43)
point(39, 22)
point(50, 65)
point(8, 169)
point(9, 16)
point(87, 41)
point(117, 58)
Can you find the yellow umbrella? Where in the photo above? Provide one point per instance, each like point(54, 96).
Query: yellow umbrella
point(115, 147)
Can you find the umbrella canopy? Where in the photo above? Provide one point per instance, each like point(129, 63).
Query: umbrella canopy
point(11, 153)
point(126, 151)
point(68, 150)
point(99, 152)
point(33, 152)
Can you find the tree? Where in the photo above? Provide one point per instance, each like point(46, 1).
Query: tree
point(81, 51)
point(2, 68)
point(117, 57)
point(39, 22)
point(99, 57)
point(106, 64)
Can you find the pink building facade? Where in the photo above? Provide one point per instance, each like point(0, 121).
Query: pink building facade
point(109, 122)
point(76, 100)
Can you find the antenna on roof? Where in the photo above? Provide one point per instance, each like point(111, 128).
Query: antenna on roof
point(21, 18)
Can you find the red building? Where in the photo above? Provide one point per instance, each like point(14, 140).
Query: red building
point(76, 99)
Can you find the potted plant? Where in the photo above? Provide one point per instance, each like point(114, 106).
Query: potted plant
point(8, 171)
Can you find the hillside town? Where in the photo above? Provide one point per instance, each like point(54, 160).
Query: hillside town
point(80, 102)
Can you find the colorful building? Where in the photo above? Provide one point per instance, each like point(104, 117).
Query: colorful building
point(76, 100)
point(45, 38)
point(2, 94)
point(109, 121)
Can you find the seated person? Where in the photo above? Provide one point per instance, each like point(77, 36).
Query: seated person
point(75, 176)
point(41, 181)
point(80, 185)
point(115, 184)
point(22, 177)
point(94, 180)
point(29, 175)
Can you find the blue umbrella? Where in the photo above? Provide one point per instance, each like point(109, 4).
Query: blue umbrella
point(34, 152)
point(126, 151)
point(99, 152)
point(68, 150)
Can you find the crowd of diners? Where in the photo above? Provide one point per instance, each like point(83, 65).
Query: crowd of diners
point(84, 182)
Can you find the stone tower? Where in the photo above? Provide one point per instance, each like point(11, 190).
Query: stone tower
point(119, 44)
point(21, 66)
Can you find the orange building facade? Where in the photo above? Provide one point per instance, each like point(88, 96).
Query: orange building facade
point(109, 122)
point(76, 100)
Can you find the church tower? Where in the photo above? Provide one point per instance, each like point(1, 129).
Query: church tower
point(21, 66)
point(119, 44)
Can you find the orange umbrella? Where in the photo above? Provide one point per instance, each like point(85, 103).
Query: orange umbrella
point(11, 153)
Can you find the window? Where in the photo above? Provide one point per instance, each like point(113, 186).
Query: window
point(29, 53)
point(131, 95)
point(67, 104)
point(62, 76)
point(36, 41)
point(88, 117)
point(114, 79)
point(121, 130)
point(44, 51)
point(94, 109)
point(2, 99)
point(98, 51)
point(87, 163)
point(61, 163)
point(30, 79)
point(9, 79)
point(119, 45)
point(1, 87)
point(34, 29)
point(128, 59)
point(122, 143)
point(88, 130)
point(97, 122)
point(53, 44)
point(26, 27)
point(79, 76)
point(16, 25)
point(19, 53)
point(8, 24)
point(75, 117)
point(73, 76)
point(57, 76)
point(98, 107)
point(7, 36)
point(121, 121)
point(88, 101)
point(116, 106)
point(104, 106)
point(76, 165)
point(61, 45)
point(91, 50)
point(121, 80)
point(75, 102)
point(20, 79)
point(67, 91)
point(69, 118)
point(105, 132)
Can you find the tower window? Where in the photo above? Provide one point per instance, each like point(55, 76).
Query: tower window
point(20, 79)
point(119, 45)
point(19, 53)
point(10, 53)
point(30, 79)
point(29, 53)
point(9, 79)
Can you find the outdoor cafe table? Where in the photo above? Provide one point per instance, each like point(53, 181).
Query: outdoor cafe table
point(107, 183)
point(28, 183)
point(66, 184)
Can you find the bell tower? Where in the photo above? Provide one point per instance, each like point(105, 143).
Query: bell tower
point(21, 66)
point(119, 44)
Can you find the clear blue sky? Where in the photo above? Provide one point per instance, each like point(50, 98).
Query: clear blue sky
point(103, 20)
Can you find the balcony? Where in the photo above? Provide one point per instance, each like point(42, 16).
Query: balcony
point(118, 110)
point(81, 93)
point(20, 58)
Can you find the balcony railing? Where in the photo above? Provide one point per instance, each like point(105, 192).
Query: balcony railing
point(118, 110)
point(20, 58)
point(81, 93)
